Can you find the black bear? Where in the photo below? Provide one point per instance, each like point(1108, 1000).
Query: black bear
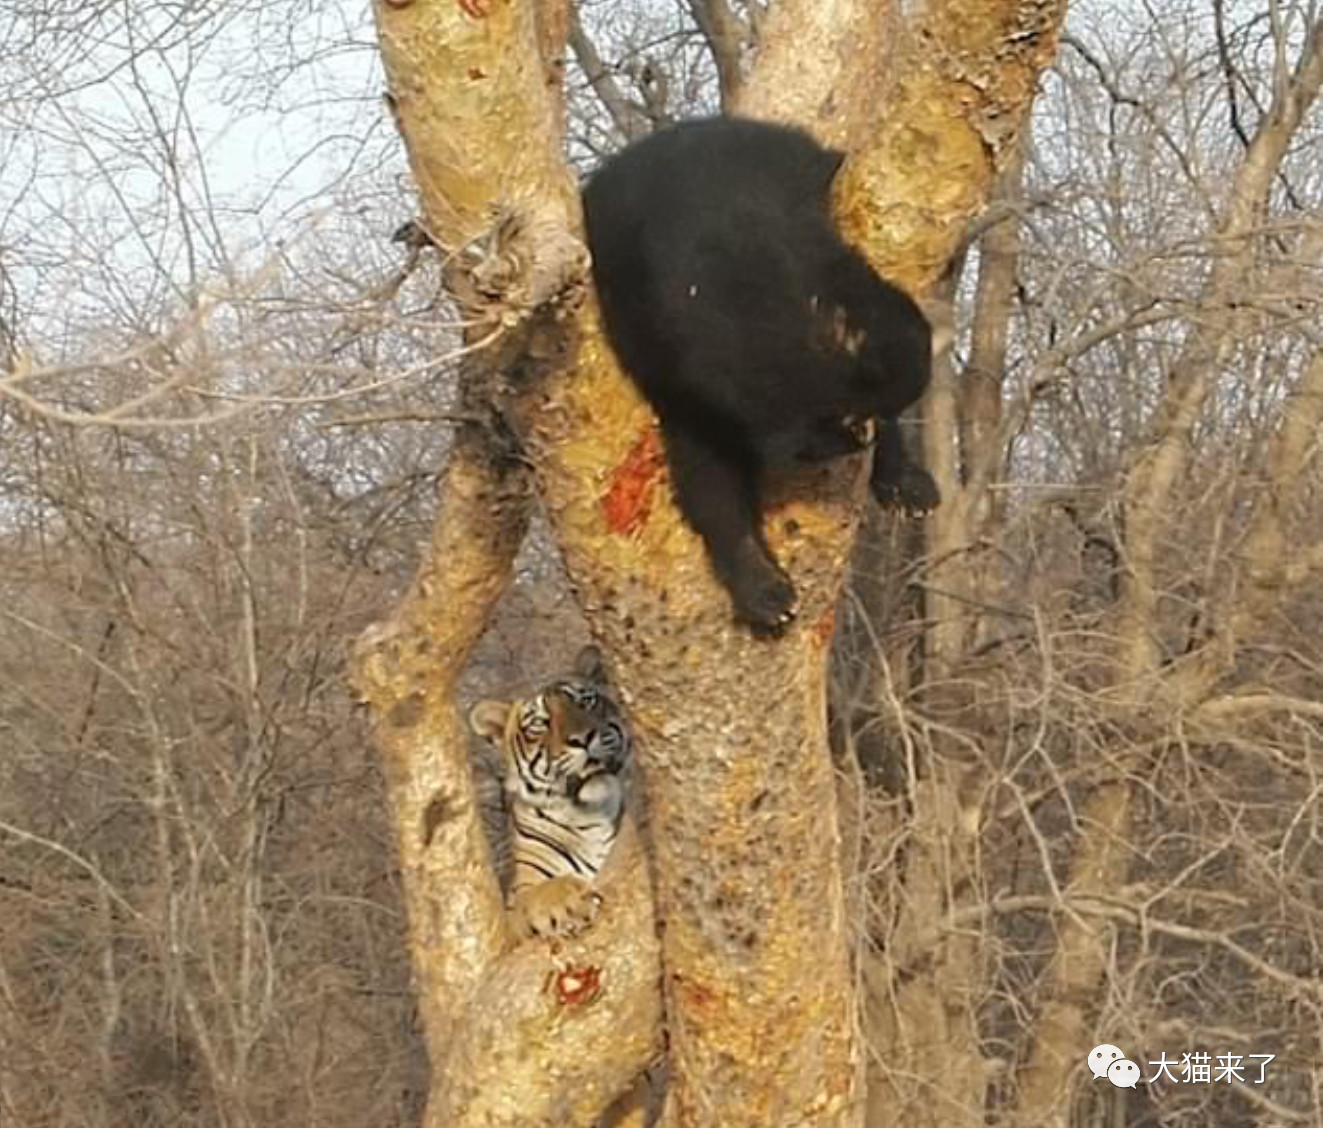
point(760, 338)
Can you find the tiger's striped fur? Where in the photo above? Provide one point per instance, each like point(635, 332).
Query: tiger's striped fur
point(565, 755)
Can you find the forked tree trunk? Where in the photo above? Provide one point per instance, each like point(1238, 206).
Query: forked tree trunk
point(756, 975)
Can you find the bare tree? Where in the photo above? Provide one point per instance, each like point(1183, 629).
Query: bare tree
point(1074, 797)
point(745, 934)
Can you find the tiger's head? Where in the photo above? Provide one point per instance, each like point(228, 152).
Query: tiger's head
point(568, 741)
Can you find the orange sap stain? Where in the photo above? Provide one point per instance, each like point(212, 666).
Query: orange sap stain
point(823, 628)
point(628, 500)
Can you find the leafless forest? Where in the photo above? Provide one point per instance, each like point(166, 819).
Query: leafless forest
point(1080, 708)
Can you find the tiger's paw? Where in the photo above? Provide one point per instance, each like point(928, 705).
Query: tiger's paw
point(563, 906)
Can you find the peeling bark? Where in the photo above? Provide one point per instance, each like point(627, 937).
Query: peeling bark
point(737, 775)
point(958, 100)
point(499, 201)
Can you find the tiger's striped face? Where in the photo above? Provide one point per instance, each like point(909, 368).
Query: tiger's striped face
point(566, 755)
point(561, 740)
point(568, 743)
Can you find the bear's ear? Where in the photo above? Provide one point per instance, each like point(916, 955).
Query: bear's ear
point(588, 665)
point(487, 719)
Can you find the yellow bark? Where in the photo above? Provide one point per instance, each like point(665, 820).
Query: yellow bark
point(406, 673)
point(544, 1034)
point(957, 101)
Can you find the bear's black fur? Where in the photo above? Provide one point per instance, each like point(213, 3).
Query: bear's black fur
point(759, 337)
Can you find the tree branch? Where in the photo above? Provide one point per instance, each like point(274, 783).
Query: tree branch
point(625, 115)
point(406, 672)
point(478, 119)
point(497, 196)
point(1101, 859)
point(555, 1046)
point(820, 65)
point(724, 39)
point(1268, 558)
point(731, 729)
point(957, 104)
point(1155, 472)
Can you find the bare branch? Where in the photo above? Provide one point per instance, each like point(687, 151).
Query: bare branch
point(725, 40)
point(628, 118)
point(1268, 560)
point(1152, 477)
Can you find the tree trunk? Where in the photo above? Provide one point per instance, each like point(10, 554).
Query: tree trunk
point(758, 981)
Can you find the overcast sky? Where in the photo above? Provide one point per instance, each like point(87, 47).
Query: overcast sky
point(237, 126)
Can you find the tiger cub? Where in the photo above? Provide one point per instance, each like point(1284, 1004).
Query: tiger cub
point(565, 755)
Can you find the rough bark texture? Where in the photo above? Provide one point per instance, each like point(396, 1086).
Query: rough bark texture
point(544, 1034)
point(552, 21)
point(411, 663)
point(962, 85)
point(501, 211)
point(740, 788)
point(484, 1006)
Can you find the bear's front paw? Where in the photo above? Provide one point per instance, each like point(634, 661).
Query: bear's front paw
point(907, 487)
point(563, 906)
point(765, 600)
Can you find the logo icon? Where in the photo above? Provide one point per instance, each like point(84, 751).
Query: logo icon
point(1123, 1074)
point(1101, 1057)
point(1110, 1062)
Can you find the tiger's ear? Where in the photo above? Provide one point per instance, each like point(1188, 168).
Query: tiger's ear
point(589, 665)
point(487, 719)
